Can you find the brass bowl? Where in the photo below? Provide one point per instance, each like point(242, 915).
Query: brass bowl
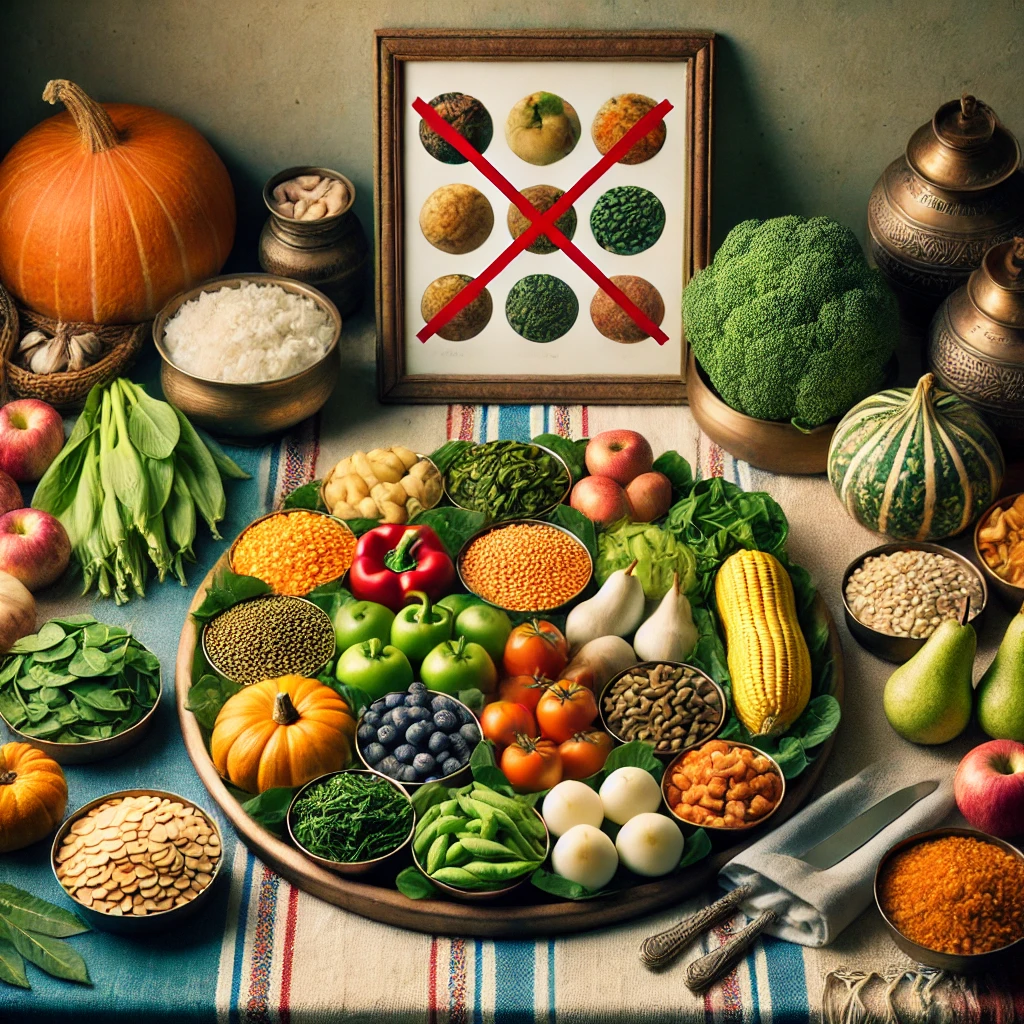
point(766, 444)
point(213, 664)
point(236, 410)
point(483, 895)
point(288, 512)
point(360, 867)
point(1011, 595)
point(536, 515)
point(960, 963)
point(715, 832)
point(462, 777)
point(153, 922)
point(90, 751)
point(899, 649)
point(422, 458)
point(671, 755)
point(501, 524)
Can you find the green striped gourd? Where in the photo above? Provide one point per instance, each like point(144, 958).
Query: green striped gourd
point(915, 463)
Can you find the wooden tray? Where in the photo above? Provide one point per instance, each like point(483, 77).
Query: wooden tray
point(528, 911)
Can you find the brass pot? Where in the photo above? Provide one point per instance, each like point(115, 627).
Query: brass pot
point(330, 254)
point(976, 341)
point(957, 190)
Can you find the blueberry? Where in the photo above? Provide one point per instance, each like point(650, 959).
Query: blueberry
point(424, 764)
point(394, 700)
point(438, 741)
point(371, 717)
point(385, 719)
point(451, 766)
point(418, 714)
point(432, 778)
point(459, 746)
point(417, 687)
point(374, 753)
point(419, 733)
point(400, 719)
point(367, 732)
point(470, 733)
point(446, 720)
point(405, 753)
point(443, 703)
point(389, 766)
point(387, 735)
point(464, 715)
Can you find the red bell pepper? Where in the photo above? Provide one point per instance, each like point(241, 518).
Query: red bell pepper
point(390, 561)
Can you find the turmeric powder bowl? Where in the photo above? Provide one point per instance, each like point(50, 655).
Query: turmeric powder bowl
point(951, 904)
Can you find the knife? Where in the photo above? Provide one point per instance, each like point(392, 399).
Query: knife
point(659, 949)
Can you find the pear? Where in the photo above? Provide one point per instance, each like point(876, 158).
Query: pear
point(615, 610)
point(928, 699)
point(1001, 690)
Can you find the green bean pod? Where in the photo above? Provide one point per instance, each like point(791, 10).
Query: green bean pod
point(459, 877)
point(499, 872)
point(487, 848)
point(457, 854)
point(436, 854)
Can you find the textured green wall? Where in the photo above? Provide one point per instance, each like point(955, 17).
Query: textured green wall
point(812, 100)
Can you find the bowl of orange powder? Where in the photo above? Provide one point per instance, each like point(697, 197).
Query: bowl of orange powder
point(953, 898)
point(294, 551)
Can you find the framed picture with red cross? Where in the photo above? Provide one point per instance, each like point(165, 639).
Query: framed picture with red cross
point(543, 198)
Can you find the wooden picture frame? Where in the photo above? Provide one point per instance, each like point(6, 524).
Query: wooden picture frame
point(394, 50)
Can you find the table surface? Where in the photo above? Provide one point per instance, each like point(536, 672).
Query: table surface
point(264, 951)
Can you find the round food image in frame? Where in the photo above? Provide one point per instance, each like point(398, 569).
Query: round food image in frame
point(456, 218)
point(627, 219)
point(617, 116)
point(542, 128)
point(543, 197)
point(541, 308)
point(469, 321)
point(614, 322)
point(468, 116)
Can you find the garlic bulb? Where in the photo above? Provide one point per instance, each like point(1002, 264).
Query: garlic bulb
point(41, 354)
point(31, 342)
point(49, 358)
point(83, 351)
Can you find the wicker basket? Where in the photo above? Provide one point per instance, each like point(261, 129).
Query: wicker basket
point(65, 391)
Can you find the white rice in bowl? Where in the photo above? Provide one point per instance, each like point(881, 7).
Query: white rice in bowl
point(247, 335)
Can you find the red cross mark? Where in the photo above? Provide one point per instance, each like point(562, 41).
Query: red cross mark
point(542, 223)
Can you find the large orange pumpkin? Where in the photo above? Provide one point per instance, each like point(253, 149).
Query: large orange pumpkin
point(33, 795)
point(107, 211)
point(282, 732)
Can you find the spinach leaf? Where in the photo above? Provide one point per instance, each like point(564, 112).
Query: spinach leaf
point(577, 524)
point(569, 451)
point(355, 698)
point(454, 526)
point(12, 666)
point(473, 699)
point(697, 847)
point(63, 650)
point(633, 754)
point(360, 526)
point(330, 597)
point(270, 808)
point(485, 768)
point(678, 471)
point(414, 885)
point(89, 662)
point(228, 589)
point(49, 636)
point(556, 885)
point(307, 496)
point(208, 696)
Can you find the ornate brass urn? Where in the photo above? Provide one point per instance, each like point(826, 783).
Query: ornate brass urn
point(976, 341)
point(956, 191)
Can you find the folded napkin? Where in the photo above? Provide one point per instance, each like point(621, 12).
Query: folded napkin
point(814, 906)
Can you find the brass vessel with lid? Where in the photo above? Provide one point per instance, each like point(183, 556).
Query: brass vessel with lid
point(976, 341)
point(957, 190)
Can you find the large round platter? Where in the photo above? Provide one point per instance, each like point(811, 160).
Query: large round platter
point(527, 912)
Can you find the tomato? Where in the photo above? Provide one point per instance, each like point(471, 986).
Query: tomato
point(531, 765)
point(503, 719)
point(585, 753)
point(536, 648)
point(525, 690)
point(564, 709)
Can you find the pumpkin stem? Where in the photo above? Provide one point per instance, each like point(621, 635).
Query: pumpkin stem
point(7, 778)
point(93, 122)
point(284, 710)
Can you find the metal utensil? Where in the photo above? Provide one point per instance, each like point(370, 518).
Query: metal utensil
point(661, 949)
point(703, 973)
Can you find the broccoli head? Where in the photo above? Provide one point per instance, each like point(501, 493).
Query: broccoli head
point(789, 322)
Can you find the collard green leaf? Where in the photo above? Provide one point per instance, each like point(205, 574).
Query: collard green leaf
point(414, 885)
point(55, 956)
point(454, 526)
point(37, 915)
point(208, 696)
point(12, 965)
point(307, 496)
point(228, 589)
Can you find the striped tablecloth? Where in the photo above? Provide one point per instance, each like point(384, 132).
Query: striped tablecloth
point(266, 952)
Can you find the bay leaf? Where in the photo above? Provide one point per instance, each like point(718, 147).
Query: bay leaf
point(38, 915)
point(12, 966)
point(54, 956)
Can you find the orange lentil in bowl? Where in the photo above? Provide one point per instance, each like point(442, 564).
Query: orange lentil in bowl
point(526, 567)
point(955, 894)
point(294, 552)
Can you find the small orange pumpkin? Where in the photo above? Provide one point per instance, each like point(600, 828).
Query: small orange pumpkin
point(282, 732)
point(33, 795)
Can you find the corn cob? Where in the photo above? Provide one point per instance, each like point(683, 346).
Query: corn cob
point(768, 657)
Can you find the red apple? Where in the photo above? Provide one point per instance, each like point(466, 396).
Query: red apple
point(31, 435)
point(34, 547)
point(620, 454)
point(989, 788)
point(601, 499)
point(10, 494)
point(650, 495)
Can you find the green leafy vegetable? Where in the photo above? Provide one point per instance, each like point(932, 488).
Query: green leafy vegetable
point(444, 456)
point(207, 696)
point(270, 808)
point(78, 682)
point(227, 590)
point(484, 766)
point(678, 471)
point(658, 554)
point(414, 885)
point(330, 597)
point(473, 699)
point(635, 755)
point(33, 929)
point(571, 452)
point(577, 524)
point(307, 496)
point(454, 526)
